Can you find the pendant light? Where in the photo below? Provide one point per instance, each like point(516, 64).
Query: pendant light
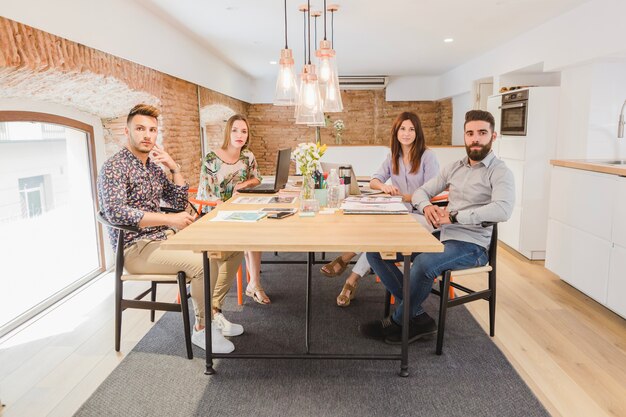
point(328, 75)
point(322, 122)
point(309, 107)
point(286, 88)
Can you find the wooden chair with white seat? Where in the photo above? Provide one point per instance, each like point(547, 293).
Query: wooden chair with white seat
point(122, 303)
point(489, 294)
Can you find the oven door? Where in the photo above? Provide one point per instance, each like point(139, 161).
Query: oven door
point(514, 117)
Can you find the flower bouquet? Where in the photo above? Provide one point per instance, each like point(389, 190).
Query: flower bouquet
point(307, 157)
point(339, 126)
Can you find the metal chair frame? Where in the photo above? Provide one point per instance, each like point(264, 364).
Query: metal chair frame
point(122, 303)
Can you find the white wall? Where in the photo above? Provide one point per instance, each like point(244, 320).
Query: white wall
point(590, 103)
point(608, 92)
point(121, 27)
point(461, 104)
point(591, 31)
point(413, 88)
point(574, 112)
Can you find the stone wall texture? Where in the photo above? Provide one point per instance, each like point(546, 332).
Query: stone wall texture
point(43, 67)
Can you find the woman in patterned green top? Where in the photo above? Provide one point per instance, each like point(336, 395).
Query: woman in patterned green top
point(226, 170)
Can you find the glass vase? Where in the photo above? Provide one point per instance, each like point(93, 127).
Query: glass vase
point(308, 202)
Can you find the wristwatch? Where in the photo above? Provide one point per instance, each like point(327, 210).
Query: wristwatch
point(175, 170)
point(452, 216)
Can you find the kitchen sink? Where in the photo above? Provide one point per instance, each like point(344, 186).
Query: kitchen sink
point(612, 162)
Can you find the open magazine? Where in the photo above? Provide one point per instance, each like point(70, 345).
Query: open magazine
point(239, 216)
point(353, 207)
point(375, 199)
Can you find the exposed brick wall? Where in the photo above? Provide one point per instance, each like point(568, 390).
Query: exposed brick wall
point(40, 66)
point(367, 118)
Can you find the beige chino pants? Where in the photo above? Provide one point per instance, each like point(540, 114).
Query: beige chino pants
point(147, 257)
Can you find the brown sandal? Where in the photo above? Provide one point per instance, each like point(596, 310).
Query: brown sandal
point(329, 268)
point(258, 295)
point(343, 300)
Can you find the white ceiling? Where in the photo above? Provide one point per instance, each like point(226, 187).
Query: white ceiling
point(372, 37)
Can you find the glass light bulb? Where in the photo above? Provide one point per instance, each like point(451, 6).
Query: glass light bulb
point(325, 70)
point(286, 76)
point(309, 95)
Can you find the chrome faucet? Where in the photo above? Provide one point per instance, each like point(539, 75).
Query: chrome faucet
point(620, 124)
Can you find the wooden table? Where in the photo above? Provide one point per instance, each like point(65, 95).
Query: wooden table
point(387, 234)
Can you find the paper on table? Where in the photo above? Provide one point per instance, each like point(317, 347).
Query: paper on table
point(350, 207)
point(264, 200)
point(379, 199)
point(248, 216)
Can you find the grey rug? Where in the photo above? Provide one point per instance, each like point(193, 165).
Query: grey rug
point(471, 378)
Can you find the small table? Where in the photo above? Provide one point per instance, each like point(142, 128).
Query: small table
point(387, 234)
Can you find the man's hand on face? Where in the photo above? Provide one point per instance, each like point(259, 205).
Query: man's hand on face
point(179, 220)
point(159, 155)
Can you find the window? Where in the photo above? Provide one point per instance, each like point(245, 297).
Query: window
point(32, 200)
point(47, 206)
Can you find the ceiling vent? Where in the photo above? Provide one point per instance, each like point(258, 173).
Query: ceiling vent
point(358, 82)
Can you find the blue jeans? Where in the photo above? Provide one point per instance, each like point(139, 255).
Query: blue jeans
point(424, 269)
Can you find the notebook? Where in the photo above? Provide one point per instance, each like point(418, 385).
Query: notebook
point(282, 175)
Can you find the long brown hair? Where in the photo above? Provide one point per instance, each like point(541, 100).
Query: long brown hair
point(229, 127)
point(417, 147)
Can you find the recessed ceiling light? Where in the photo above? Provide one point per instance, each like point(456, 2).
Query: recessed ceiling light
point(448, 40)
point(273, 62)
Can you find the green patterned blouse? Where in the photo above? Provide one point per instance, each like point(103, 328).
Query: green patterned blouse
point(218, 178)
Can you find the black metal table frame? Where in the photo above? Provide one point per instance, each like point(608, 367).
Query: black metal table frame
point(403, 356)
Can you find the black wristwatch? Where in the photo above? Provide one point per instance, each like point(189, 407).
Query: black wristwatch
point(452, 216)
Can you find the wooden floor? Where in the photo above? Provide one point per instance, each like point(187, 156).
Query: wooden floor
point(570, 350)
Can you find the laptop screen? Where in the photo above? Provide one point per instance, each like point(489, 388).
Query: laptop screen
point(282, 168)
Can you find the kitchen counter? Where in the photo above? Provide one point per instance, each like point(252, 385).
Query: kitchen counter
point(594, 165)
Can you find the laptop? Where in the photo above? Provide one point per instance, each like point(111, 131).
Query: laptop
point(355, 189)
point(282, 175)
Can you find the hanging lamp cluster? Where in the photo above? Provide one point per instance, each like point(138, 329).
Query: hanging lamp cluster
point(317, 93)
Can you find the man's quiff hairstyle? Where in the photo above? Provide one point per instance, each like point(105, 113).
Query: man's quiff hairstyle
point(481, 116)
point(143, 110)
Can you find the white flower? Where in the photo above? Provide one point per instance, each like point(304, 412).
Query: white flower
point(307, 156)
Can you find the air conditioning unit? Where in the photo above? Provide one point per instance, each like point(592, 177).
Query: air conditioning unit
point(361, 82)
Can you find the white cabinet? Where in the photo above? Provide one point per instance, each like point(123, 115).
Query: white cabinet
point(586, 231)
point(616, 297)
point(528, 157)
point(579, 258)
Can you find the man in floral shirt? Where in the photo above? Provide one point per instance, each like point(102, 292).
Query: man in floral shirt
point(131, 186)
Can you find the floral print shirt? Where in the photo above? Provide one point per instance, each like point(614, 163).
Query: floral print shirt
point(218, 178)
point(127, 189)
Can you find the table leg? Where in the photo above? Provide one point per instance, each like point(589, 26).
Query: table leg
point(406, 301)
point(208, 312)
point(309, 270)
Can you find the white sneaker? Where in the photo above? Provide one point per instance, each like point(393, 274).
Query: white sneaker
point(219, 343)
point(227, 328)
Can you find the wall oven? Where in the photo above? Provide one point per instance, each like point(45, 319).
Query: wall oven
point(514, 113)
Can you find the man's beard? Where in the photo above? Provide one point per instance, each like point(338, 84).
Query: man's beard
point(478, 155)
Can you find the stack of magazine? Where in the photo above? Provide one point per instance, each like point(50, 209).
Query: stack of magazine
point(374, 205)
